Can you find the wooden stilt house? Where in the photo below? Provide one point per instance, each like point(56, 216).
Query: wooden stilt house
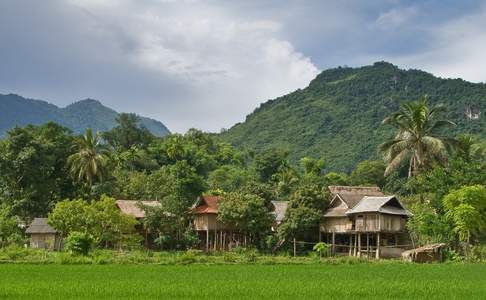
point(212, 233)
point(362, 221)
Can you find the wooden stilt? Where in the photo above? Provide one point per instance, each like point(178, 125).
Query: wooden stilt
point(221, 245)
point(224, 241)
point(207, 240)
point(350, 245)
point(333, 243)
point(368, 245)
point(378, 245)
point(295, 248)
point(359, 244)
point(355, 244)
point(215, 238)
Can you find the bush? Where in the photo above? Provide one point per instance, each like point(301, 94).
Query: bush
point(79, 243)
point(451, 255)
point(478, 253)
point(251, 256)
point(187, 258)
point(229, 257)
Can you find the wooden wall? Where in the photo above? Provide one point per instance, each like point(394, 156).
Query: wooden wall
point(364, 223)
point(336, 224)
point(208, 222)
point(45, 241)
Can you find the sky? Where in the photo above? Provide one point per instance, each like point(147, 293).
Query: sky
point(208, 64)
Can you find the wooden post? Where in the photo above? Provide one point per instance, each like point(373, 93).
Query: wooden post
point(207, 239)
point(350, 244)
point(359, 244)
point(221, 245)
point(224, 241)
point(295, 248)
point(215, 238)
point(378, 245)
point(333, 243)
point(368, 245)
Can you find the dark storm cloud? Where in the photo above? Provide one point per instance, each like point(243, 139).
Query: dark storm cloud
point(207, 64)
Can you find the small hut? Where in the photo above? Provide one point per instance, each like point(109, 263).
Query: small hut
point(43, 236)
point(425, 254)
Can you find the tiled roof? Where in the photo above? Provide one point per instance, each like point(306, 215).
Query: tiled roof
point(207, 205)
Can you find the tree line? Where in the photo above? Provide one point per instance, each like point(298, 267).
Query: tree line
point(48, 171)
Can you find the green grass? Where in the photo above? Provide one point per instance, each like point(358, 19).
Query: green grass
point(360, 281)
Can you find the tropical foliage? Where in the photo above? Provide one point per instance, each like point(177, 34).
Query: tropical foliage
point(418, 139)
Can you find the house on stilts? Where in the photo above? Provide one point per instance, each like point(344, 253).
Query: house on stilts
point(216, 235)
point(363, 222)
point(213, 234)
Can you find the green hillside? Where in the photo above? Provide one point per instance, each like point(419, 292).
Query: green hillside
point(18, 111)
point(338, 115)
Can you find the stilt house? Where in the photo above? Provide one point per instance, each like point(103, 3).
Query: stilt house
point(212, 233)
point(362, 221)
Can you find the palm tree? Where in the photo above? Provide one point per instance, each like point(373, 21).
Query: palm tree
point(470, 148)
point(417, 139)
point(90, 161)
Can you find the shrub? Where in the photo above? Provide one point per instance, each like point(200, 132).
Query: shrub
point(321, 248)
point(187, 258)
point(229, 257)
point(251, 256)
point(478, 253)
point(79, 243)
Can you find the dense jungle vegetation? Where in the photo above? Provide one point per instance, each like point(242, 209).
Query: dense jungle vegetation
point(338, 115)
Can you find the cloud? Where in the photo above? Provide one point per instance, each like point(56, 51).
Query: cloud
point(207, 64)
point(187, 63)
point(456, 49)
point(396, 17)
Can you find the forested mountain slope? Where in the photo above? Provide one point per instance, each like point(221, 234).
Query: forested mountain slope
point(18, 111)
point(338, 116)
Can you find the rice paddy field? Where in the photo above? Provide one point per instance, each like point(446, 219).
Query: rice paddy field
point(360, 281)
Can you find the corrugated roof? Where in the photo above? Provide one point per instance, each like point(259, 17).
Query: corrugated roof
point(207, 205)
point(280, 207)
point(39, 225)
point(385, 204)
point(132, 207)
point(352, 195)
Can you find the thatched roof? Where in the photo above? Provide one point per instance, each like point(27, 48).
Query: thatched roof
point(132, 207)
point(351, 195)
point(429, 247)
point(206, 205)
point(383, 204)
point(39, 225)
point(280, 207)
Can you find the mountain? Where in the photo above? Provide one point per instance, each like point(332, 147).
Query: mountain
point(338, 116)
point(18, 111)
